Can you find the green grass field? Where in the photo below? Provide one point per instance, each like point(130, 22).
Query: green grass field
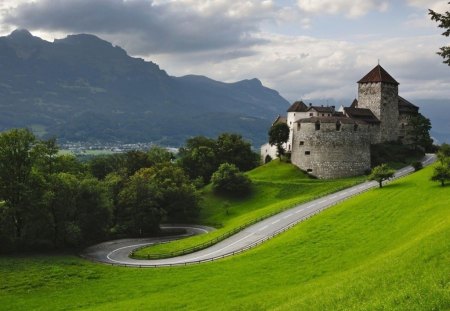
point(277, 186)
point(387, 249)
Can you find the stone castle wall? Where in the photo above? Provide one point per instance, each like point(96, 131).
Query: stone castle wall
point(328, 153)
point(382, 99)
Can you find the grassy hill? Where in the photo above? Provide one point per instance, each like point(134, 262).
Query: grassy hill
point(387, 249)
point(276, 186)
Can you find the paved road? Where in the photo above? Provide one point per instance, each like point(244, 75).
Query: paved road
point(117, 252)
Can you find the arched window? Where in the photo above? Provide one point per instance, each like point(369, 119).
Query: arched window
point(338, 125)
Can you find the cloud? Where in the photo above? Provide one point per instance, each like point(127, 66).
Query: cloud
point(350, 8)
point(151, 26)
point(301, 67)
point(439, 6)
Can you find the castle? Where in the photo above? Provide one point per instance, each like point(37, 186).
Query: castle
point(330, 143)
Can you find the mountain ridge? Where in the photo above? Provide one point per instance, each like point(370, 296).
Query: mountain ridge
point(83, 88)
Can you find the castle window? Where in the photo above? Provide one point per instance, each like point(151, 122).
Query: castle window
point(317, 125)
point(338, 125)
point(289, 146)
point(298, 126)
point(355, 127)
point(311, 114)
point(307, 152)
point(403, 125)
point(323, 115)
point(309, 170)
point(302, 143)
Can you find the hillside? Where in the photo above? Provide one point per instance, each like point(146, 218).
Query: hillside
point(83, 88)
point(384, 250)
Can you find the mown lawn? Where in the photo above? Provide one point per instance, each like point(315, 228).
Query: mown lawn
point(387, 249)
point(276, 186)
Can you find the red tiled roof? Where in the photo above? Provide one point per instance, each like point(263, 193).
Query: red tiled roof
point(298, 106)
point(378, 74)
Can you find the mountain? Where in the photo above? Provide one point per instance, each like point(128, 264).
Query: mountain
point(82, 88)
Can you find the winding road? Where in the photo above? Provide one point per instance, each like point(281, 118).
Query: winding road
point(117, 252)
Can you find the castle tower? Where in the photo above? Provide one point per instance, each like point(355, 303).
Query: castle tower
point(378, 91)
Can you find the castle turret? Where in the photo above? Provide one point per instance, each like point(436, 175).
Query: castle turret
point(378, 91)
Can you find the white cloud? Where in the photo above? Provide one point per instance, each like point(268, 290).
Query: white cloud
point(350, 8)
point(439, 6)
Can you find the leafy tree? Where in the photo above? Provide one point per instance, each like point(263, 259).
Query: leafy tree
point(93, 210)
point(420, 132)
point(157, 155)
point(140, 200)
point(229, 180)
point(232, 148)
point(443, 153)
point(102, 165)
point(60, 201)
point(381, 173)
point(114, 183)
point(417, 165)
point(278, 135)
point(136, 160)
point(178, 197)
point(17, 181)
point(444, 22)
point(441, 173)
point(198, 158)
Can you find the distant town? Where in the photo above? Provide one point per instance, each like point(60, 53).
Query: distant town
point(94, 148)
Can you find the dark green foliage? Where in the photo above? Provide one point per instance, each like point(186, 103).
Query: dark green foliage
point(139, 199)
point(201, 156)
point(444, 22)
point(228, 180)
point(178, 197)
point(102, 165)
point(441, 173)
point(232, 148)
point(198, 157)
point(417, 165)
point(420, 132)
point(393, 153)
point(278, 135)
point(381, 173)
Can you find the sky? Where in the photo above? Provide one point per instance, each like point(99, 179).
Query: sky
point(305, 49)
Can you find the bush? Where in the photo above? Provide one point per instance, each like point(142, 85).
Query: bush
point(229, 180)
point(417, 165)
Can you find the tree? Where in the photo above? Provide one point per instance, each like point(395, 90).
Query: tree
point(420, 132)
point(232, 148)
point(140, 201)
point(93, 210)
point(157, 155)
point(444, 22)
point(17, 181)
point(381, 173)
point(60, 201)
point(278, 135)
point(441, 173)
point(229, 180)
point(198, 158)
point(178, 197)
point(443, 153)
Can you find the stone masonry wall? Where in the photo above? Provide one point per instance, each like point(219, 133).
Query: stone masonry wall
point(332, 153)
point(382, 99)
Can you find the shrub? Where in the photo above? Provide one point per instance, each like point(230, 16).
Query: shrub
point(417, 165)
point(229, 180)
